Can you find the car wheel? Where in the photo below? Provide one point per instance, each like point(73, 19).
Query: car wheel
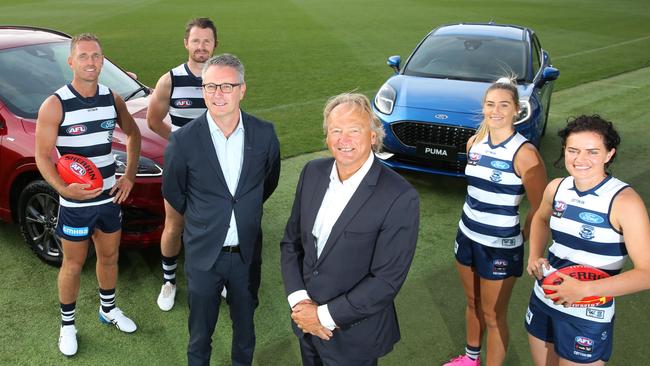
point(38, 209)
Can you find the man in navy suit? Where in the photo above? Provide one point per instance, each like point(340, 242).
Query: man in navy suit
point(219, 170)
point(349, 243)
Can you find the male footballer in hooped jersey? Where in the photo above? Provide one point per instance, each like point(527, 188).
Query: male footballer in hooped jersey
point(87, 213)
point(179, 92)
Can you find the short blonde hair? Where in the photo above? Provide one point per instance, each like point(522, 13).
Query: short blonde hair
point(358, 101)
point(84, 37)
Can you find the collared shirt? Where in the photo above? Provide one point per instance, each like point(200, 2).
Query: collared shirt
point(230, 152)
point(336, 197)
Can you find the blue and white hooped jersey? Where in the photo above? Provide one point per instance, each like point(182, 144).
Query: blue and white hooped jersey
point(186, 101)
point(582, 234)
point(491, 210)
point(86, 129)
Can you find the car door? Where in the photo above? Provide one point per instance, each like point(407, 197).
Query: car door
point(543, 89)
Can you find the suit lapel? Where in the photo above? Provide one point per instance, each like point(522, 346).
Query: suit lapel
point(317, 193)
point(207, 145)
point(248, 149)
point(360, 196)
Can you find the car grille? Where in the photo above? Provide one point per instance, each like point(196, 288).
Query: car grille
point(457, 167)
point(410, 133)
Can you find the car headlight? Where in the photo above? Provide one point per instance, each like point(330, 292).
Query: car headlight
point(146, 166)
point(385, 99)
point(524, 111)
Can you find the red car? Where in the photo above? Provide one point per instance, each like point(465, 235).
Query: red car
point(33, 64)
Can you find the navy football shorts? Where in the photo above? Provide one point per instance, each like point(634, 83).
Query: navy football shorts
point(490, 263)
point(78, 223)
point(577, 340)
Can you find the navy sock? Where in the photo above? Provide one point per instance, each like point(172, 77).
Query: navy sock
point(169, 265)
point(67, 313)
point(107, 299)
point(472, 352)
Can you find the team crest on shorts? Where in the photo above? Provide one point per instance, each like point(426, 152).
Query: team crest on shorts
point(558, 208)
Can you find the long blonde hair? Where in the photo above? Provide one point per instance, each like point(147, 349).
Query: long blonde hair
point(504, 83)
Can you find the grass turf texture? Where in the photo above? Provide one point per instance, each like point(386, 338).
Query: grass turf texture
point(298, 53)
point(430, 305)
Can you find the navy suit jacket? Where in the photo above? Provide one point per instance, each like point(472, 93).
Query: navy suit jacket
point(365, 260)
point(193, 183)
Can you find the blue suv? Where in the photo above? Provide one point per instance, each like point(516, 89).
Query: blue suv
point(433, 103)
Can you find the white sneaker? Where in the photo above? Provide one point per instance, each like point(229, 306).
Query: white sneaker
point(68, 340)
point(224, 293)
point(117, 317)
point(166, 296)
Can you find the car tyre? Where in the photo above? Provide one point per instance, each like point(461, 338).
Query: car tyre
point(38, 209)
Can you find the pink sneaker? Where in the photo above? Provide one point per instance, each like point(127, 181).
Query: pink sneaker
point(463, 361)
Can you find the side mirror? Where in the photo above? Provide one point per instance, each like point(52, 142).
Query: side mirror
point(550, 73)
point(393, 62)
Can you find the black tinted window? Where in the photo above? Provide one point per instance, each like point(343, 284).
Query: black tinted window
point(30, 74)
point(468, 58)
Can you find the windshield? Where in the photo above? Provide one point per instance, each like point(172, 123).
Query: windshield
point(30, 74)
point(468, 58)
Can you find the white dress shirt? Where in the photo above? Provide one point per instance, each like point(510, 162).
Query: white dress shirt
point(230, 152)
point(336, 197)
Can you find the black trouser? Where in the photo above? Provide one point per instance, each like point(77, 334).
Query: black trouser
point(204, 287)
point(311, 351)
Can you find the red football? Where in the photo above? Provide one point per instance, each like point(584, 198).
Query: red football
point(582, 273)
point(78, 169)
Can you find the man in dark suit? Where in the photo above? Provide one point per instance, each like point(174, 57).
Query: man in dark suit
point(349, 243)
point(219, 170)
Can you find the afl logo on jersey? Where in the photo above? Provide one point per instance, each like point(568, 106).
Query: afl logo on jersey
point(473, 158)
point(183, 103)
point(108, 124)
point(591, 218)
point(501, 165)
point(78, 169)
point(587, 232)
point(558, 208)
point(76, 130)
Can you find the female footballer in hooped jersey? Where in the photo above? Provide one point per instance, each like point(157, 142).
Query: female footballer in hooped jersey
point(595, 220)
point(501, 166)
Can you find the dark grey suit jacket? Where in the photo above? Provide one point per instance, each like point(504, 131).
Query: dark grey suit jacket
point(194, 185)
point(365, 260)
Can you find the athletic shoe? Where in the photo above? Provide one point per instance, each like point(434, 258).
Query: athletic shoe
point(224, 293)
point(117, 317)
point(166, 296)
point(463, 361)
point(68, 340)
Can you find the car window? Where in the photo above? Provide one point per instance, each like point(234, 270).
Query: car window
point(468, 58)
point(537, 55)
point(30, 74)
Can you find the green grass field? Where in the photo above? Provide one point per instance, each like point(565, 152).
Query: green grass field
point(297, 54)
point(300, 52)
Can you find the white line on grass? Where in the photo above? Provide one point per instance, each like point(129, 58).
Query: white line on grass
point(601, 48)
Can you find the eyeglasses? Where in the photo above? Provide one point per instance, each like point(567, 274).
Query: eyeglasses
point(226, 88)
